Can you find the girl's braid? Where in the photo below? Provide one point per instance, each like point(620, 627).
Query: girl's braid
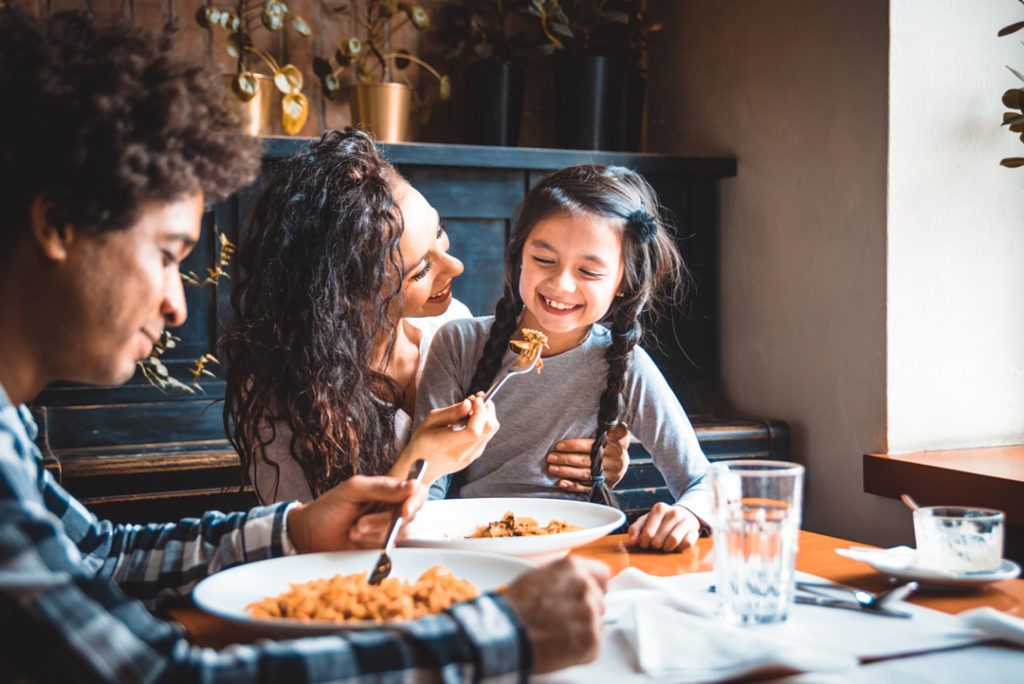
point(626, 333)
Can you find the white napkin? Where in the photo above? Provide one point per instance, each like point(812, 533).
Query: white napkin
point(993, 624)
point(898, 559)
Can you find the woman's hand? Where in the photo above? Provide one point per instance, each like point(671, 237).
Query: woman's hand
point(445, 450)
point(349, 516)
point(571, 461)
point(665, 528)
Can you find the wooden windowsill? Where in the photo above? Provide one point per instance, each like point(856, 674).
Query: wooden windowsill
point(991, 476)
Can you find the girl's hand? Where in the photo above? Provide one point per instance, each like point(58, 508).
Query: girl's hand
point(665, 528)
point(444, 450)
point(571, 461)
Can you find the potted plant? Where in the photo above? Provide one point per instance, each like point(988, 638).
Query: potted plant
point(599, 82)
point(1014, 99)
point(253, 89)
point(380, 103)
point(497, 36)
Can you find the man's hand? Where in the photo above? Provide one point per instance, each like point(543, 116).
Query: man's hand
point(340, 518)
point(561, 607)
point(665, 528)
point(571, 460)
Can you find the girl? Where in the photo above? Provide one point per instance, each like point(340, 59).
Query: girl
point(587, 256)
point(346, 275)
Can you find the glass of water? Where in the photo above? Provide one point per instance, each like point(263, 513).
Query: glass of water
point(959, 538)
point(755, 520)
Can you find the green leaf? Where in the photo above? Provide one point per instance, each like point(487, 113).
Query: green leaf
point(288, 79)
point(616, 17)
point(300, 25)
point(321, 67)
point(562, 30)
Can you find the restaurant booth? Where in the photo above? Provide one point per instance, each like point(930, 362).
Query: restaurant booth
point(135, 453)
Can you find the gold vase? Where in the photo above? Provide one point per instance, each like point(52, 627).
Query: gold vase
point(259, 116)
point(382, 109)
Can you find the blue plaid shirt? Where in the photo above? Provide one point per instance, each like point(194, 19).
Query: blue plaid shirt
point(76, 594)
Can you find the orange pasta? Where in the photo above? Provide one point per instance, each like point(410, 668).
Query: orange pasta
point(350, 598)
point(521, 526)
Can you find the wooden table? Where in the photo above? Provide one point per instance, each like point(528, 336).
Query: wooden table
point(816, 556)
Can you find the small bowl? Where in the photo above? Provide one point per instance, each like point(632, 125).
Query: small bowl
point(959, 539)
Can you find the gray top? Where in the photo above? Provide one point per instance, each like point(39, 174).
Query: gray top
point(537, 410)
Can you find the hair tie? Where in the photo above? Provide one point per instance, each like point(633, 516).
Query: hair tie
point(596, 481)
point(644, 224)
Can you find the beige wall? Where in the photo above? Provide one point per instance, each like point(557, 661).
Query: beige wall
point(796, 90)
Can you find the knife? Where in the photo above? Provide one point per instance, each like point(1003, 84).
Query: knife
point(850, 605)
point(382, 568)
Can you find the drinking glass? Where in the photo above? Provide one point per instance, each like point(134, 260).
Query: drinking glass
point(959, 538)
point(755, 520)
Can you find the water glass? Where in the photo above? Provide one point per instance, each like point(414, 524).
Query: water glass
point(755, 520)
point(959, 538)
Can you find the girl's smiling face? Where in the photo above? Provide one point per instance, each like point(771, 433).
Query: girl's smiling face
point(429, 268)
point(571, 271)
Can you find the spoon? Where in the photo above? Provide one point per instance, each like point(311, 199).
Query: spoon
point(909, 500)
point(879, 600)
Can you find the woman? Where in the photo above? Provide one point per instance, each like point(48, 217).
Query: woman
point(340, 253)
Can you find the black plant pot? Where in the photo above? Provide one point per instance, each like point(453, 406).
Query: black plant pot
point(494, 103)
point(591, 95)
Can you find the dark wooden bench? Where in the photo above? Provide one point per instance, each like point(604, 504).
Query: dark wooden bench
point(132, 453)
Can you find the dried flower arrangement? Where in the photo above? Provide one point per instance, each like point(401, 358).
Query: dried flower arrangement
point(153, 367)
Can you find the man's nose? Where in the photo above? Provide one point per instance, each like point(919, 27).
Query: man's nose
point(173, 307)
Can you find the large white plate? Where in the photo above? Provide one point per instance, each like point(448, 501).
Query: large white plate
point(447, 524)
point(228, 592)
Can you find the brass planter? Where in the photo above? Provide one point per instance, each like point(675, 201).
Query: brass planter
point(262, 114)
point(382, 109)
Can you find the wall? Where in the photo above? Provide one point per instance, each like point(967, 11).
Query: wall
point(797, 91)
point(956, 232)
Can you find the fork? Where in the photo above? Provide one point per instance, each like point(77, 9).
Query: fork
point(383, 566)
point(522, 364)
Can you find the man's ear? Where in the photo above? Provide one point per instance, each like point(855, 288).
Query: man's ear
point(53, 240)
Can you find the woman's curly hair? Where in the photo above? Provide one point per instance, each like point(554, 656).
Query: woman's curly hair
point(653, 272)
point(100, 117)
point(313, 308)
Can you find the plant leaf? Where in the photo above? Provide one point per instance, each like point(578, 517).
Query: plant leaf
point(245, 86)
point(1013, 118)
point(300, 25)
point(294, 110)
point(1015, 73)
point(1012, 162)
point(1012, 28)
point(288, 79)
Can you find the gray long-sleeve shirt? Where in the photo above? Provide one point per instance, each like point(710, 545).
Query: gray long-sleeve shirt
point(561, 402)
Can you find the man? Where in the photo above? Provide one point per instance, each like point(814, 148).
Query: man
point(109, 146)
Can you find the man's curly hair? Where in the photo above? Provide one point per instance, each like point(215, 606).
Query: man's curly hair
point(100, 117)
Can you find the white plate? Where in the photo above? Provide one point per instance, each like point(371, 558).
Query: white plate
point(228, 592)
point(887, 561)
point(447, 524)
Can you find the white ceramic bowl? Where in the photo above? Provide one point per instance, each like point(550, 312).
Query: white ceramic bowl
point(228, 592)
point(448, 523)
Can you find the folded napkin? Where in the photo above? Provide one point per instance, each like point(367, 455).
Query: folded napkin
point(990, 623)
point(898, 559)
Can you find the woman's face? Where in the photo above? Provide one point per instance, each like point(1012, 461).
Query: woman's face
point(429, 269)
